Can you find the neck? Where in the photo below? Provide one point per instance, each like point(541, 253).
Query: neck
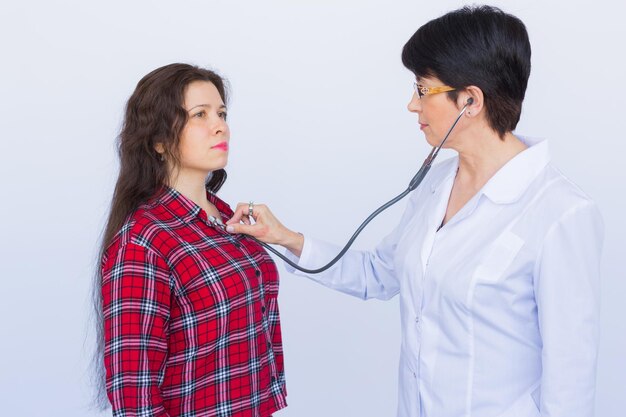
point(482, 155)
point(191, 185)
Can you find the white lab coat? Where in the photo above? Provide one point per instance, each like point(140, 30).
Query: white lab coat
point(500, 307)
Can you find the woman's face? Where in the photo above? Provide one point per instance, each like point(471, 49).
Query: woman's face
point(436, 113)
point(204, 140)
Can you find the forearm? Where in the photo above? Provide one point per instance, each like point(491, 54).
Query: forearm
point(361, 274)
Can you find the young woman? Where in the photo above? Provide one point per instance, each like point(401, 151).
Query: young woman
point(496, 259)
point(190, 319)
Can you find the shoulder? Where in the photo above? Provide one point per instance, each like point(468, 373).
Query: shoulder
point(554, 202)
point(146, 227)
point(559, 194)
point(574, 206)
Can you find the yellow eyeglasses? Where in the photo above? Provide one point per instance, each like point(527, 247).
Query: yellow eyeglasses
point(422, 91)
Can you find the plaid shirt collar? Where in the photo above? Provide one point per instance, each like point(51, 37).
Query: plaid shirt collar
point(186, 210)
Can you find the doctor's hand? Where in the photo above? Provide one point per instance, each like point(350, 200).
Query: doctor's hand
point(264, 226)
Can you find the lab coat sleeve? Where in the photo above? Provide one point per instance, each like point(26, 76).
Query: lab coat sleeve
point(363, 274)
point(567, 289)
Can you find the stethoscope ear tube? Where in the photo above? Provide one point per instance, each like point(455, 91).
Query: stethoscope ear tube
point(415, 182)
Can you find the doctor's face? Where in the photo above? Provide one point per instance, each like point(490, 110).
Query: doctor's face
point(436, 112)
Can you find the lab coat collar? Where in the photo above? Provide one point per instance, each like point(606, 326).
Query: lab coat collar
point(510, 182)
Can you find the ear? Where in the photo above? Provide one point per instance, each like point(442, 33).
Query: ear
point(478, 100)
point(159, 148)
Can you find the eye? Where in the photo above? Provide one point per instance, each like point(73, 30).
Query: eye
point(200, 114)
point(222, 115)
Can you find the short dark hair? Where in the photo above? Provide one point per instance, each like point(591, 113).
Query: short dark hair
point(481, 46)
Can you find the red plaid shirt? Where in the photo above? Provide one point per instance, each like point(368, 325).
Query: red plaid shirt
point(190, 316)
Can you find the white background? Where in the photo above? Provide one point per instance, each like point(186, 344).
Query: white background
point(320, 132)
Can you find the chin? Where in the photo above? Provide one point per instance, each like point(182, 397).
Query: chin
point(432, 141)
point(217, 167)
point(219, 164)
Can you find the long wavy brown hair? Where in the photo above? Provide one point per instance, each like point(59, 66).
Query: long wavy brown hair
point(154, 114)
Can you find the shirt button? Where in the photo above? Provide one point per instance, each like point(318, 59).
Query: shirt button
point(257, 273)
point(417, 319)
point(263, 309)
point(269, 345)
point(273, 379)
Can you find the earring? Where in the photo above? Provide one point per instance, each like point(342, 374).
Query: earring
point(162, 158)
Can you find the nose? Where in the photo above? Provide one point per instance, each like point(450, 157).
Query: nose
point(415, 105)
point(219, 126)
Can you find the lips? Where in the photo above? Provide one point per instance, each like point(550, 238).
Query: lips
point(221, 146)
point(423, 125)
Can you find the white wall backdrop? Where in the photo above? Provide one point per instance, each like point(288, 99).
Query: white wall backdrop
point(320, 132)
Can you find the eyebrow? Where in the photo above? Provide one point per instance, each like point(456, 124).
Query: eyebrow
point(223, 106)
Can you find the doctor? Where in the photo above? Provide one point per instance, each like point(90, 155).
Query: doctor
point(496, 258)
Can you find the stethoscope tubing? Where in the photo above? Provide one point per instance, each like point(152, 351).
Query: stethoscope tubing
point(415, 182)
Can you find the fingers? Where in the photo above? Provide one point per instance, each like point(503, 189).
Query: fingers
point(240, 214)
point(242, 211)
point(256, 230)
point(258, 212)
point(236, 218)
point(266, 227)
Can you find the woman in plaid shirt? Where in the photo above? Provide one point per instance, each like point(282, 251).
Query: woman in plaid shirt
point(189, 317)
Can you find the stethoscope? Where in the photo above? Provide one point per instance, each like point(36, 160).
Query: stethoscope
point(415, 182)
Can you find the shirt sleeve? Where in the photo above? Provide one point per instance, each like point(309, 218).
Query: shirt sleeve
point(567, 289)
point(363, 274)
point(136, 298)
